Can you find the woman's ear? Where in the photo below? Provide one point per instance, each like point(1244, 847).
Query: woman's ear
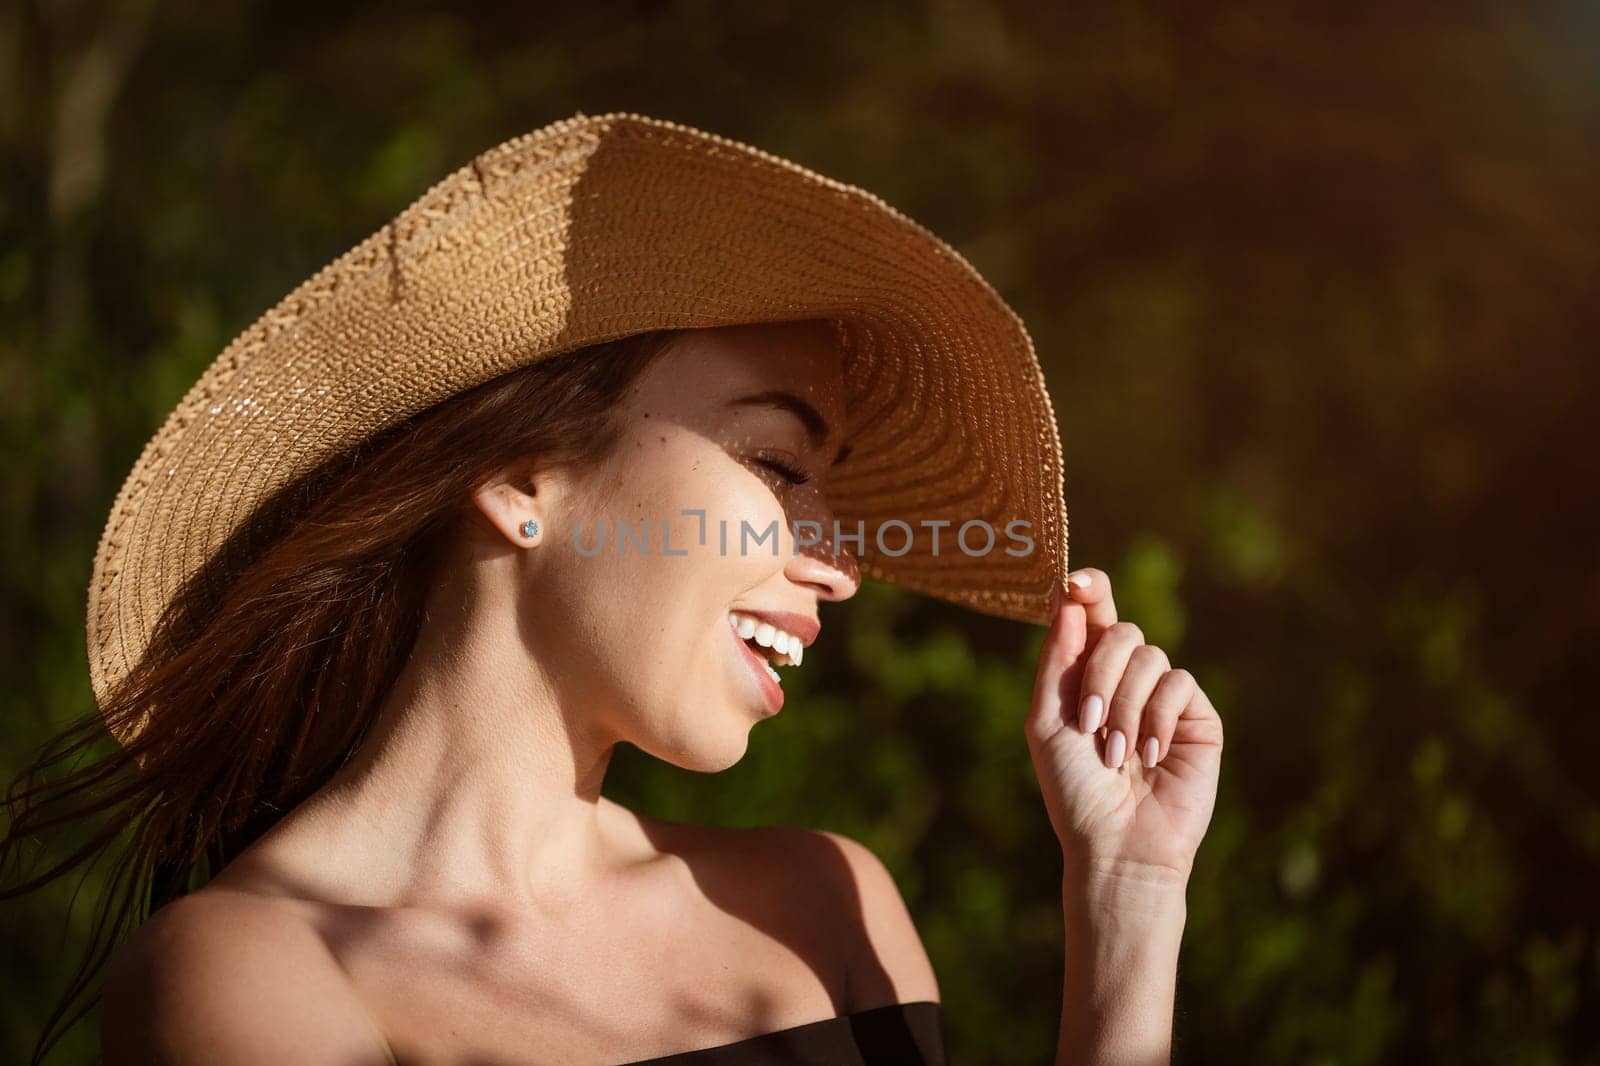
point(517, 504)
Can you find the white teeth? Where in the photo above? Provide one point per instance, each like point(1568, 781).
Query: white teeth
point(772, 673)
point(786, 649)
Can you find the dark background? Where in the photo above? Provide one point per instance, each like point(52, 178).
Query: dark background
point(1315, 291)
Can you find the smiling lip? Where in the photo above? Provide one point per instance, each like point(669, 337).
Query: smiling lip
point(796, 625)
point(770, 689)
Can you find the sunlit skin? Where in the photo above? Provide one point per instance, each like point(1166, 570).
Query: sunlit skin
point(643, 636)
point(474, 886)
point(1129, 824)
point(1145, 823)
point(483, 777)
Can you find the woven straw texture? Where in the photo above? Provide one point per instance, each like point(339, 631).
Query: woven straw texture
point(592, 228)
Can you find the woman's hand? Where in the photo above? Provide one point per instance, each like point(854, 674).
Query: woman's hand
point(1130, 790)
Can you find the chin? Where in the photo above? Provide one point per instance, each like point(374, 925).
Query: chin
point(707, 751)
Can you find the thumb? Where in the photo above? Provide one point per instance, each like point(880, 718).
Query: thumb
point(1060, 672)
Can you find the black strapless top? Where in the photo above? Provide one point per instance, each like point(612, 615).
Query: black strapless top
point(901, 1034)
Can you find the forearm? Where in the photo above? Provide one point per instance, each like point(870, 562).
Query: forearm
point(1121, 973)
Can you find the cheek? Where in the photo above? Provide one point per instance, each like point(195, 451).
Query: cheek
point(664, 616)
point(661, 667)
point(653, 621)
point(694, 492)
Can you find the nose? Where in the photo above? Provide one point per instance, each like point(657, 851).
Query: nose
point(826, 567)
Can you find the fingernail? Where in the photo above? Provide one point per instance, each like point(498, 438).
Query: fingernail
point(1116, 748)
point(1079, 581)
point(1089, 715)
point(1152, 748)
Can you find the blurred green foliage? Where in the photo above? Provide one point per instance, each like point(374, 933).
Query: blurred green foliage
point(1315, 292)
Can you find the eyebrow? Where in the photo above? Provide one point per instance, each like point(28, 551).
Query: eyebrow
point(810, 417)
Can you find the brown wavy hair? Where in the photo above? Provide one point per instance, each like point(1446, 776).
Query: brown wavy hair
point(257, 698)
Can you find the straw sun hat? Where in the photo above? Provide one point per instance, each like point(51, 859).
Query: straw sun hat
point(593, 228)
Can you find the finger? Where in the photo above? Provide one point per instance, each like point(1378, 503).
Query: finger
point(1059, 668)
point(1146, 665)
point(1103, 669)
point(1190, 767)
point(1198, 731)
point(1161, 712)
point(1070, 683)
point(1053, 654)
point(1092, 588)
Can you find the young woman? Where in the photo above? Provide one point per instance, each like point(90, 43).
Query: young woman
point(385, 715)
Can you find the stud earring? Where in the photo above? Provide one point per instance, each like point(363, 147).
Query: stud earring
point(530, 528)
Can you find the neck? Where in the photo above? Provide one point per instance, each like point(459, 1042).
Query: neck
point(476, 783)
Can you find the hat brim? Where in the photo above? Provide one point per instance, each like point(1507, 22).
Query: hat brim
point(592, 228)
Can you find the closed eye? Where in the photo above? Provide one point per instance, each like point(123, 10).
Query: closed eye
point(789, 473)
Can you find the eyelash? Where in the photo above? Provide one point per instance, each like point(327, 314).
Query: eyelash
point(787, 472)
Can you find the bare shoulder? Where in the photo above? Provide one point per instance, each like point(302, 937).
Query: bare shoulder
point(826, 891)
point(861, 906)
point(890, 964)
point(226, 976)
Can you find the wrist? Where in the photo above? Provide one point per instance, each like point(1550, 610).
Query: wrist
point(1124, 919)
point(1121, 890)
point(1122, 942)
